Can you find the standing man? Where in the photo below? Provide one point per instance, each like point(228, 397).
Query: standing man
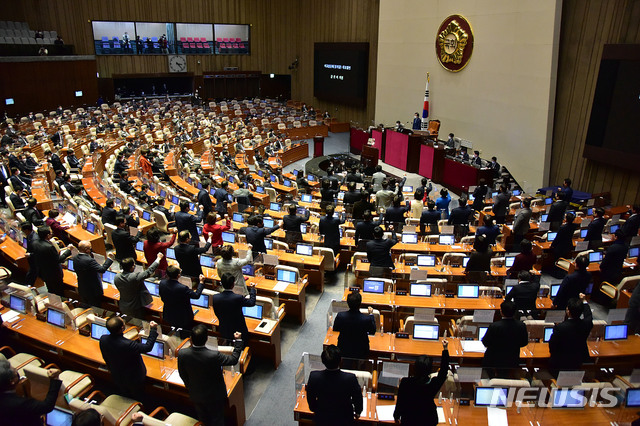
point(556, 212)
point(501, 205)
point(524, 294)
point(378, 177)
point(221, 196)
point(563, 243)
point(521, 222)
point(568, 344)
point(228, 308)
point(89, 273)
point(595, 228)
point(631, 226)
point(354, 328)
point(176, 297)
point(49, 260)
point(573, 284)
point(417, 122)
point(256, 232)
point(379, 251)
point(333, 395)
point(123, 241)
point(459, 218)
point(123, 358)
point(503, 341)
point(613, 261)
point(188, 255)
point(329, 228)
point(109, 214)
point(567, 190)
point(204, 199)
point(200, 370)
point(188, 222)
point(291, 225)
point(134, 296)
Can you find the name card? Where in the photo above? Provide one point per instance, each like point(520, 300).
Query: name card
point(417, 275)
point(424, 314)
point(570, 378)
point(483, 316)
point(616, 315)
point(555, 316)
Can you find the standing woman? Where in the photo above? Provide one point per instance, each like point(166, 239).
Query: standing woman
point(153, 246)
point(233, 266)
point(417, 204)
point(442, 203)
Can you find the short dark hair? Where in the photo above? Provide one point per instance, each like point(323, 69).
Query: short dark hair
point(525, 246)
point(43, 232)
point(173, 272)
point(328, 210)
point(183, 236)
point(53, 213)
point(26, 226)
point(228, 281)
point(199, 335)
point(570, 217)
point(127, 264)
point(114, 324)
point(423, 366)
point(354, 300)
point(582, 262)
point(526, 202)
point(88, 417)
point(184, 206)
point(331, 357)
point(567, 181)
point(292, 209)
point(119, 220)
point(462, 201)
point(32, 202)
point(227, 252)
point(508, 308)
point(524, 276)
point(574, 305)
point(378, 232)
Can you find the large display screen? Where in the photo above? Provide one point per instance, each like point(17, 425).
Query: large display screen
point(340, 72)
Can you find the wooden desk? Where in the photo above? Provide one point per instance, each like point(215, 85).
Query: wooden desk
point(295, 153)
point(77, 234)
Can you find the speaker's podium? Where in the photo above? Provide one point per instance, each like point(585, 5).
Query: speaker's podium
point(369, 156)
point(318, 146)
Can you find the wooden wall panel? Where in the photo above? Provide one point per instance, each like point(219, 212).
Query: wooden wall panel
point(587, 25)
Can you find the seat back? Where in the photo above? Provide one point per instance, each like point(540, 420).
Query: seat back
point(376, 316)
point(364, 377)
point(288, 268)
point(161, 220)
point(329, 260)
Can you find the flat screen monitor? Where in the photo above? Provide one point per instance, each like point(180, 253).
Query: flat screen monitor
point(468, 291)
point(171, 253)
point(311, 178)
point(248, 270)
point(446, 240)
point(634, 252)
point(426, 331)
point(275, 207)
point(589, 288)
point(286, 276)
point(108, 276)
point(613, 228)
point(25, 243)
point(633, 397)
point(340, 195)
point(201, 302)
point(301, 211)
point(306, 198)
point(583, 233)
point(152, 287)
point(268, 243)
point(508, 261)
point(420, 289)
point(212, 191)
point(481, 332)
point(18, 303)
point(55, 317)
point(260, 173)
point(544, 217)
point(273, 178)
point(70, 265)
point(548, 331)
point(146, 215)
point(59, 417)
point(595, 257)
point(407, 188)
point(175, 199)
point(340, 72)
point(590, 211)
point(253, 311)
point(426, 260)
point(373, 286)
point(268, 222)
point(140, 246)
point(260, 189)
point(231, 179)
point(237, 217)
point(507, 289)
point(516, 192)
point(9, 101)
point(98, 330)
point(490, 397)
point(548, 200)
point(615, 332)
point(207, 261)
point(230, 198)
point(229, 237)
point(304, 249)
point(551, 236)
point(568, 398)
point(465, 260)
point(163, 193)
point(410, 238)
point(287, 183)
point(295, 172)
point(91, 227)
point(554, 289)
point(78, 93)
point(303, 228)
point(157, 351)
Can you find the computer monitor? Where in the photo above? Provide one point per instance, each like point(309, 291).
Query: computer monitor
point(287, 183)
point(420, 289)
point(146, 215)
point(548, 331)
point(268, 243)
point(260, 173)
point(614, 228)
point(163, 193)
point(18, 303)
point(548, 201)
point(426, 331)
point(508, 261)
point(301, 211)
point(304, 249)
point(253, 311)
point(207, 261)
point(59, 417)
point(55, 317)
point(140, 246)
point(175, 199)
point(340, 195)
point(273, 178)
point(248, 270)
point(589, 288)
point(108, 276)
point(91, 227)
point(507, 289)
point(212, 191)
point(274, 206)
point(481, 332)
point(171, 253)
point(70, 265)
point(373, 286)
point(260, 189)
point(490, 397)
point(306, 198)
point(583, 233)
point(634, 252)
point(295, 172)
point(551, 236)
point(230, 198)
point(157, 351)
point(237, 217)
point(590, 211)
point(426, 260)
point(152, 287)
point(25, 243)
point(446, 240)
point(544, 217)
point(468, 291)
point(554, 289)
point(286, 276)
point(303, 228)
point(407, 188)
point(595, 257)
point(98, 330)
point(201, 302)
point(231, 179)
point(311, 178)
point(228, 237)
point(615, 332)
point(516, 192)
point(268, 222)
point(410, 238)
point(465, 260)
point(633, 397)
point(568, 398)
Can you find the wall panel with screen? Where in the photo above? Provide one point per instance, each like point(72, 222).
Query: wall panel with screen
point(340, 72)
point(109, 38)
point(155, 37)
point(231, 39)
point(194, 38)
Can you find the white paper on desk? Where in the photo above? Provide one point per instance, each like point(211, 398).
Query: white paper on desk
point(473, 346)
point(497, 416)
point(569, 378)
point(555, 316)
point(280, 286)
point(364, 412)
point(417, 275)
point(441, 417)
point(456, 247)
point(69, 218)
point(10, 316)
point(616, 315)
point(483, 316)
point(175, 378)
point(385, 412)
point(424, 314)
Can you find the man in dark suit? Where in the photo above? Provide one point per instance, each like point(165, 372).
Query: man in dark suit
point(567, 190)
point(176, 297)
point(123, 241)
point(521, 222)
point(352, 195)
point(333, 395)
point(32, 214)
point(200, 370)
point(228, 308)
point(501, 205)
point(120, 165)
point(134, 295)
point(417, 122)
point(109, 214)
point(395, 214)
point(89, 273)
point(18, 410)
point(568, 345)
point(379, 251)
point(17, 200)
point(188, 222)
point(556, 212)
point(188, 255)
point(49, 260)
point(573, 284)
point(364, 229)
point(459, 218)
point(563, 243)
point(489, 230)
point(524, 294)
point(503, 341)
point(19, 182)
point(595, 228)
point(204, 199)
point(221, 198)
point(329, 228)
point(123, 358)
point(430, 216)
point(55, 161)
point(354, 328)
point(31, 236)
point(361, 206)
point(632, 224)
point(613, 261)
point(354, 176)
point(291, 225)
point(256, 232)
point(495, 166)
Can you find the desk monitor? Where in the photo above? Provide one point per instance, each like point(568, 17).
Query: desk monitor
point(340, 195)
point(248, 270)
point(633, 397)
point(199, 228)
point(426, 260)
point(420, 289)
point(286, 276)
point(202, 301)
point(231, 179)
point(25, 243)
point(146, 215)
point(446, 240)
point(303, 228)
point(548, 331)
point(516, 192)
point(554, 289)
point(163, 193)
point(237, 217)
point(304, 249)
point(295, 172)
point(98, 330)
point(465, 260)
point(199, 186)
point(595, 257)
point(481, 332)
point(410, 238)
point(568, 398)
point(508, 261)
point(140, 246)
point(306, 198)
point(583, 233)
point(494, 194)
point(426, 331)
point(507, 289)
point(287, 183)
point(407, 188)
point(268, 243)
point(70, 265)
point(91, 227)
point(108, 276)
point(373, 286)
point(544, 217)
point(212, 191)
point(59, 417)
point(274, 206)
point(55, 317)
point(268, 222)
point(614, 228)
point(230, 198)
point(222, 174)
point(175, 199)
point(260, 189)
point(301, 211)
point(152, 287)
point(551, 236)
point(311, 178)
point(207, 261)
point(260, 173)
point(157, 351)
point(9, 101)
point(171, 253)
point(548, 201)
point(273, 178)
point(634, 252)
point(589, 288)
point(490, 397)
point(228, 237)
point(615, 332)
point(253, 311)
point(468, 291)
point(18, 303)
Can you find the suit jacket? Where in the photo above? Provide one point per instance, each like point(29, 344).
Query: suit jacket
point(49, 261)
point(330, 228)
point(524, 295)
point(563, 243)
point(556, 211)
point(18, 182)
point(594, 232)
point(490, 232)
point(19, 411)
point(479, 261)
point(431, 218)
point(89, 274)
point(133, 293)
point(205, 201)
point(503, 341)
point(123, 359)
point(396, 214)
point(631, 226)
point(201, 372)
point(188, 257)
point(479, 194)
point(334, 396)
point(379, 251)
point(228, 308)
point(255, 237)
point(359, 207)
point(17, 201)
point(521, 221)
point(501, 205)
point(57, 163)
point(221, 200)
point(177, 297)
point(572, 285)
point(34, 216)
point(364, 230)
point(568, 345)
point(354, 328)
point(108, 215)
point(124, 243)
point(611, 265)
point(415, 403)
point(188, 222)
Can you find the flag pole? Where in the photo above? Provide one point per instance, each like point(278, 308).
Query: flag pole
point(425, 107)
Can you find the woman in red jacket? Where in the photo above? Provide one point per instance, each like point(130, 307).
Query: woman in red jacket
point(153, 246)
point(210, 226)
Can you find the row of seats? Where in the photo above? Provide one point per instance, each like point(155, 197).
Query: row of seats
point(27, 33)
point(26, 40)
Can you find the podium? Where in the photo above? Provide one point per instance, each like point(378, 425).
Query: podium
point(318, 146)
point(369, 156)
